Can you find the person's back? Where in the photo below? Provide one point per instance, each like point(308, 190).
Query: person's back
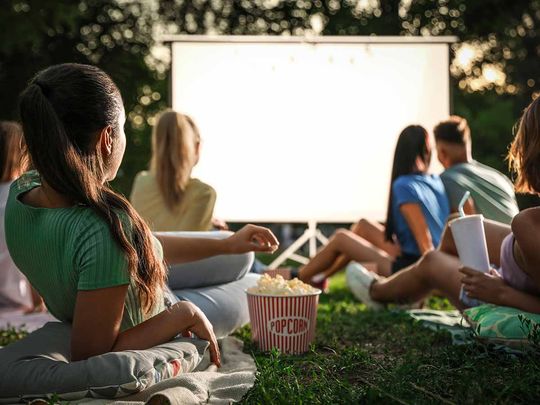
point(166, 196)
point(66, 250)
point(492, 193)
point(428, 192)
point(193, 213)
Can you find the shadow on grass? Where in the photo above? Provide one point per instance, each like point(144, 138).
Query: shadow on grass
point(360, 356)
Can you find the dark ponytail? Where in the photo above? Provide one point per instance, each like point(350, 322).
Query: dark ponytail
point(411, 145)
point(63, 110)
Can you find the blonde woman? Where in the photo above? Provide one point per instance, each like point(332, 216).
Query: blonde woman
point(175, 204)
point(166, 196)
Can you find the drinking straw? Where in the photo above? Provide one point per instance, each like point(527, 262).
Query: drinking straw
point(462, 203)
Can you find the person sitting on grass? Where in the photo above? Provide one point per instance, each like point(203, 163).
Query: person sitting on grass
point(166, 196)
point(81, 245)
point(512, 249)
point(492, 193)
point(417, 212)
point(170, 200)
point(15, 291)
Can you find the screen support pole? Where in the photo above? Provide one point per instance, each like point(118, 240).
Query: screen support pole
point(312, 234)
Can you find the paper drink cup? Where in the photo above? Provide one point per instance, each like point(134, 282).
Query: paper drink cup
point(284, 272)
point(470, 241)
point(284, 322)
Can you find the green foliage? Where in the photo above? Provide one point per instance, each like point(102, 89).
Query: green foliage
point(120, 36)
point(11, 335)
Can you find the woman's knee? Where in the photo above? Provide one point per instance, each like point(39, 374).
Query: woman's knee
point(428, 264)
point(340, 235)
point(360, 227)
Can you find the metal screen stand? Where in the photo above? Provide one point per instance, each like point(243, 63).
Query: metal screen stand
point(311, 235)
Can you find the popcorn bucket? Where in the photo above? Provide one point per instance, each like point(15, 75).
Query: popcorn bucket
point(284, 272)
point(284, 322)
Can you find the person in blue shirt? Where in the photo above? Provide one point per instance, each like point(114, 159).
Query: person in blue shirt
point(417, 211)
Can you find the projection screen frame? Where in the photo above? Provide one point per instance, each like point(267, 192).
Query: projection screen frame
point(312, 40)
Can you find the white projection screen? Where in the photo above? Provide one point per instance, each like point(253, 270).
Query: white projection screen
point(295, 131)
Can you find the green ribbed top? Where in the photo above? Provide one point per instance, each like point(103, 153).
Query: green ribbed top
point(64, 250)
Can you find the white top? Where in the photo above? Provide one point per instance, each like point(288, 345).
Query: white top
point(14, 288)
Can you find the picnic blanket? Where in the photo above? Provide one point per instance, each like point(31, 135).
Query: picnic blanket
point(207, 384)
point(451, 321)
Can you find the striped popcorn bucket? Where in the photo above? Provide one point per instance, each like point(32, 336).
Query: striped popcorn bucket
point(284, 272)
point(286, 323)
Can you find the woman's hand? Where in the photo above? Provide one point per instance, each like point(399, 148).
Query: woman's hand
point(252, 238)
point(219, 224)
point(203, 329)
point(487, 287)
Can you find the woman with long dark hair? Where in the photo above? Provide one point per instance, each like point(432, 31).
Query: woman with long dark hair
point(513, 250)
point(416, 215)
point(81, 245)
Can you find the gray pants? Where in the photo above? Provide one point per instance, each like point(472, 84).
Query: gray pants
point(216, 285)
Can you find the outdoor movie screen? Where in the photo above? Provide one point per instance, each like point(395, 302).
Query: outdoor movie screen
point(295, 131)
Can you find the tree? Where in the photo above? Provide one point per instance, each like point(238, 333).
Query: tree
point(116, 36)
point(495, 68)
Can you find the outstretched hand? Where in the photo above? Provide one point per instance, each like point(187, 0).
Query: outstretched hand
point(252, 238)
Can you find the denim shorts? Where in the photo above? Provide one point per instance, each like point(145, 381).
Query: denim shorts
point(404, 260)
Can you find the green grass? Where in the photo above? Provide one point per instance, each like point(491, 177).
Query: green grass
point(360, 356)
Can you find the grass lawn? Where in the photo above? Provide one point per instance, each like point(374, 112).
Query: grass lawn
point(360, 356)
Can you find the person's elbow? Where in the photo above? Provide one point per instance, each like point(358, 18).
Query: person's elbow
point(84, 349)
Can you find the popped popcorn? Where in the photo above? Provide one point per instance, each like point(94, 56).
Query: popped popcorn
point(279, 286)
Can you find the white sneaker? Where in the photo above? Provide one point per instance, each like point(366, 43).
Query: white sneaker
point(359, 280)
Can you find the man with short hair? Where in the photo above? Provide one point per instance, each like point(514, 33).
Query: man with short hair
point(492, 193)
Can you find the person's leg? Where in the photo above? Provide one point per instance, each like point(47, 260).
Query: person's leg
point(435, 270)
point(353, 246)
point(224, 305)
point(214, 270)
point(373, 232)
point(495, 233)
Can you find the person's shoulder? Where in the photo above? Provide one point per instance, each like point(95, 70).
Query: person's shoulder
point(144, 185)
point(25, 182)
point(199, 187)
point(526, 220)
point(434, 178)
point(401, 181)
point(482, 169)
point(405, 184)
point(526, 229)
point(143, 177)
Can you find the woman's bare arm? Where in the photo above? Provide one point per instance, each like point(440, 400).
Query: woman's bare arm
point(492, 288)
point(526, 230)
point(98, 315)
point(414, 217)
point(177, 249)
